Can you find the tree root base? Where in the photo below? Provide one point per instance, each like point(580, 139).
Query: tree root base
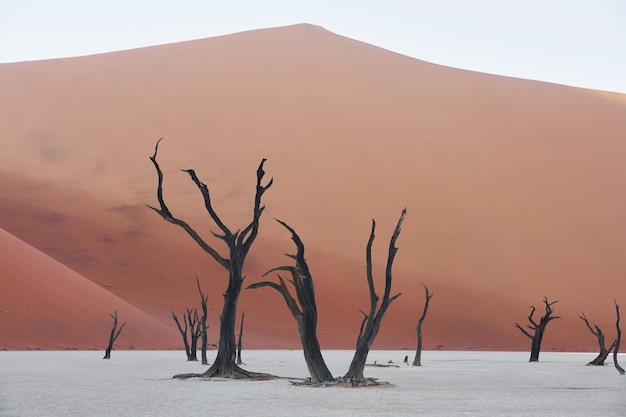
point(343, 383)
point(216, 373)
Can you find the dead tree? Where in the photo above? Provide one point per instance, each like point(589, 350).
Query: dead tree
point(597, 332)
point(617, 341)
point(183, 333)
point(240, 339)
point(238, 245)
point(538, 329)
point(304, 310)
point(115, 333)
point(193, 324)
point(417, 361)
point(371, 322)
point(203, 327)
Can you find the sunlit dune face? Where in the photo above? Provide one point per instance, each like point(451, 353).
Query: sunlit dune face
point(514, 191)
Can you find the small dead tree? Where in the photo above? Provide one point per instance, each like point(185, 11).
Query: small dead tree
point(617, 341)
point(304, 310)
point(192, 323)
point(238, 245)
point(372, 321)
point(417, 361)
point(115, 333)
point(538, 329)
point(203, 327)
point(597, 332)
point(240, 339)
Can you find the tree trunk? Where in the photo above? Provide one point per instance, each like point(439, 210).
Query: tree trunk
point(535, 346)
point(307, 327)
point(617, 341)
point(203, 320)
point(239, 340)
point(417, 361)
point(305, 313)
point(224, 365)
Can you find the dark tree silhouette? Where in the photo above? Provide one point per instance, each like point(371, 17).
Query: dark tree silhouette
point(238, 244)
point(193, 324)
point(417, 361)
point(240, 339)
point(617, 341)
point(304, 310)
point(371, 322)
point(538, 329)
point(597, 332)
point(115, 333)
point(203, 326)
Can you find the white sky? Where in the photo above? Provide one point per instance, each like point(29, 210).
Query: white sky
point(573, 42)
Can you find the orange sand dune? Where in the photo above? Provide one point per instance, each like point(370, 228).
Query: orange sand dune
point(47, 305)
point(514, 188)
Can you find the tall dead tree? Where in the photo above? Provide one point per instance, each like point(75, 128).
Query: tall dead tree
point(203, 326)
point(417, 361)
point(190, 340)
point(115, 333)
point(240, 339)
point(617, 341)
point(371, 322)
point(304, 310)
point(597, 332)
point(238, 245)
point(538, 329)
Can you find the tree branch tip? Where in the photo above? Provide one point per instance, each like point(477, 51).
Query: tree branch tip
point(156, 148)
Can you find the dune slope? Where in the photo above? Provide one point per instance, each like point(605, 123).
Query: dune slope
point(514, 188)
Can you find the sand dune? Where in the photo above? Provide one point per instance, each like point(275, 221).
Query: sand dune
point(514, 188)
point(42, 299)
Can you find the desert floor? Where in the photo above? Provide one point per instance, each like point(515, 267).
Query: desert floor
point(139, 383)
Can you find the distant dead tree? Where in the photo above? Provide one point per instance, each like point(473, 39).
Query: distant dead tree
point(115, 333)
point(371, 322)
point(597, 332)
point(240, 339)
point(203, 326)
point(538, 329)
point(192, 323)
point(617, 341)
point(417, 361)
point(304, 310)
point(238, 245)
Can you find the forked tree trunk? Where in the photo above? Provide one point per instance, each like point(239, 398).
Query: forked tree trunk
point(192, 323)
point(306, 312)
point(115, 333)
point(417, 361)
point(194, 334)
point(538, 329)
point(238, 244)
point(604, 352)
point(372, 321)
point(183, 333)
